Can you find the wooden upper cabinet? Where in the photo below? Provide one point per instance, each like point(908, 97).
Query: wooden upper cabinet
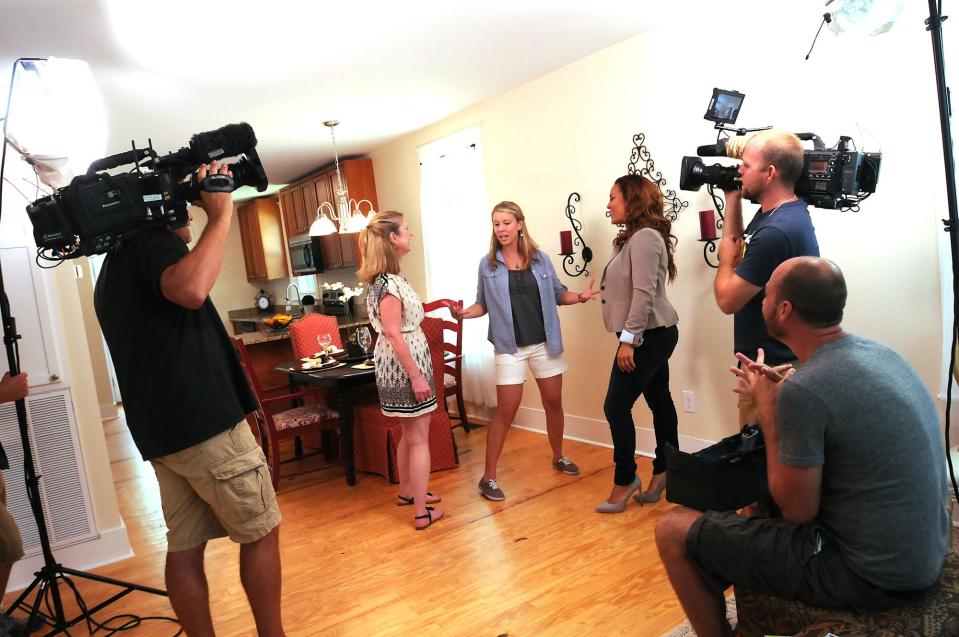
point(359, 181)
point(301, 200)
point(252, 249)
point(323, 187)
point(286, 203)
point(301, 223)
point(261, 234)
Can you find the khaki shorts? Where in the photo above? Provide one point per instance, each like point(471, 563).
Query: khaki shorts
point(216, 488)
point(511, 368)
point(11, 544)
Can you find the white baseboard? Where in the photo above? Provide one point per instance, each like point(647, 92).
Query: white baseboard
point(589, 430)
point(112, 545)
point(109, 411)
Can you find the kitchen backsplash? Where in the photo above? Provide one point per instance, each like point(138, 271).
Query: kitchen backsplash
point(312, 284)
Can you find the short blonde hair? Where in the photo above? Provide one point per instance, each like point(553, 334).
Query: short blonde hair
point(781, 149)
point(376, 249)
point(524, 243)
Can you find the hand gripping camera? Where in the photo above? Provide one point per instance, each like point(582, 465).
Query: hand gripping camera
point(93, 213)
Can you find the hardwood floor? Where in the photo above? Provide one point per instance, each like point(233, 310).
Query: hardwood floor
point(539, 563)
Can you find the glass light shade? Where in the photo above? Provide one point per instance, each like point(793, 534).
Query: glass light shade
point(357, 222)
point(322, 226)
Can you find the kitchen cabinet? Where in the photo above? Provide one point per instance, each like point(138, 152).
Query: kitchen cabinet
point(301, 199)
point(261, 233)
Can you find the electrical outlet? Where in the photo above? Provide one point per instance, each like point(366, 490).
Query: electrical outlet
point(689, 400)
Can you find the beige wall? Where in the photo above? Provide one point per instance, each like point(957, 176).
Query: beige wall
point(571, 131)
point(99, 369)
point(75, 354)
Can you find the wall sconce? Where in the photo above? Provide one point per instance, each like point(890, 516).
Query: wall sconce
point(348, 212)
point(709, 227)
point(566, 241)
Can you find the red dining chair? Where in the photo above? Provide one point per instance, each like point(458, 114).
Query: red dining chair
point(452, 358)
point(272, 428)
point(376, 436)
point(303, 333)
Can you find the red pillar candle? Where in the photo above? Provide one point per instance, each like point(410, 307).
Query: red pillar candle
point(566, 242)
point(707, 225)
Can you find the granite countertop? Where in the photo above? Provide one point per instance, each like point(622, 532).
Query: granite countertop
point(256, 315)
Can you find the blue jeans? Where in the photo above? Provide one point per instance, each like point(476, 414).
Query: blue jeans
point(651, 379)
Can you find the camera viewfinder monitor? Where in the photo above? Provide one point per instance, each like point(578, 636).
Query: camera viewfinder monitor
point(724, 106)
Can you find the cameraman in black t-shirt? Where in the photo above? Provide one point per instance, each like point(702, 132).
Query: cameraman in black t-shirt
point(185, 397)
point(772, 162)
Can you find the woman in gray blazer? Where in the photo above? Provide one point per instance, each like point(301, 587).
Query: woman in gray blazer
point(635, 307)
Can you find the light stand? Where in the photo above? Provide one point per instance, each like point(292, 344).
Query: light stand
point(934, 26)
point(45, 580)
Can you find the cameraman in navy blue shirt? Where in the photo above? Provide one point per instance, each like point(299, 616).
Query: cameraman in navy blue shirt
point(780, 230)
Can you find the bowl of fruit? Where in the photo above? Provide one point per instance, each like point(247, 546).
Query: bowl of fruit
point(278, 321)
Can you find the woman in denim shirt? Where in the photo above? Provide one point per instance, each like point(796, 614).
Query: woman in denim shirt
point(519, 288)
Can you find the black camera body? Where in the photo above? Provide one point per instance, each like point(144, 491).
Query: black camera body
point(93, 213)
point(837, 178)
point(831, 177)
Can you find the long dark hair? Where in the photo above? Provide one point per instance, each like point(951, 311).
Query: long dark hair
point(644, 209)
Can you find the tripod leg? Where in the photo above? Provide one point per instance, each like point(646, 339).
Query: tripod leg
point(114, 582)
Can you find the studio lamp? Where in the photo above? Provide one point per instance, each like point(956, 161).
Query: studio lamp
point(347, 212)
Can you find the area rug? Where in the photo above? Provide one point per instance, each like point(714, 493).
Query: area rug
point(685, 630)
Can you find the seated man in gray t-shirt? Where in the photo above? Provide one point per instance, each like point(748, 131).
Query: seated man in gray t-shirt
point(855, 461)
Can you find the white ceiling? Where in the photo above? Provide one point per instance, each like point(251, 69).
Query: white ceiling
point(169, 69)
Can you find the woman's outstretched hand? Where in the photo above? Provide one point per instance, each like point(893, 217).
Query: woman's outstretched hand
point(455, 308)
point(589, 293)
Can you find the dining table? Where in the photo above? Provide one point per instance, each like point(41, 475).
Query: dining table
point(346, 382)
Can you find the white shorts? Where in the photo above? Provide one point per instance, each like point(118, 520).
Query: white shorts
point(511, 368)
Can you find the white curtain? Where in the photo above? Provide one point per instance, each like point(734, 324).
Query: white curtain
point(456, 233)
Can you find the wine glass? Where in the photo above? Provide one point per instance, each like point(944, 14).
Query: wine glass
point(326, 342)
point(364, 339)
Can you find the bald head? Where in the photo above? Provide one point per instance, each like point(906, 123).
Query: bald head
point(814, 286)
point(781, 149)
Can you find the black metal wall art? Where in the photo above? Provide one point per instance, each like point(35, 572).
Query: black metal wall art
point(587, 254)
point(672, 203)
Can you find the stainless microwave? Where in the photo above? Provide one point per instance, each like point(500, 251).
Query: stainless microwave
point(305, 255)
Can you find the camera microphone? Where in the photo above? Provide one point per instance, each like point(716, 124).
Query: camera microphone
point(229, 141)
point(727, 147)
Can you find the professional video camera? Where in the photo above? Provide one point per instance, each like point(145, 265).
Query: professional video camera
point(831, 177)
point(92, 213)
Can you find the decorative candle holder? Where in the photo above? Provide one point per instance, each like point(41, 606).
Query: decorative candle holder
point(709, 239)
point(567, 242)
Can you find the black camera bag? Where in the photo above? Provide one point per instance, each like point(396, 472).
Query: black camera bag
point(723, 477)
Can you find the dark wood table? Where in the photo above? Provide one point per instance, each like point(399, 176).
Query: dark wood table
point(342, 381)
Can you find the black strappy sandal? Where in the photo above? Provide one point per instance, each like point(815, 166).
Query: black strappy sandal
point(430, 499)
point(428, 515)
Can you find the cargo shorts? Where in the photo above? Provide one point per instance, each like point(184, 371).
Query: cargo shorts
point(219, 487)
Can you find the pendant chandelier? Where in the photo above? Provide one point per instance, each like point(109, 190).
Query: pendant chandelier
point(347, 212)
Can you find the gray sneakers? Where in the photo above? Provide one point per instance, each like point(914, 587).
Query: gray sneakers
point(490, 490)
point(566, 465)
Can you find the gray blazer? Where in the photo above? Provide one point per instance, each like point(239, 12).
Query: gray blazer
point(633, 288)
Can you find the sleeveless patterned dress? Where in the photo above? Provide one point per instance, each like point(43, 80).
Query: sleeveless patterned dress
point(392, 382)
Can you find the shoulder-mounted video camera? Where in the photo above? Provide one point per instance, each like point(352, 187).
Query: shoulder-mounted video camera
point(92, 213)
point(831, 177)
